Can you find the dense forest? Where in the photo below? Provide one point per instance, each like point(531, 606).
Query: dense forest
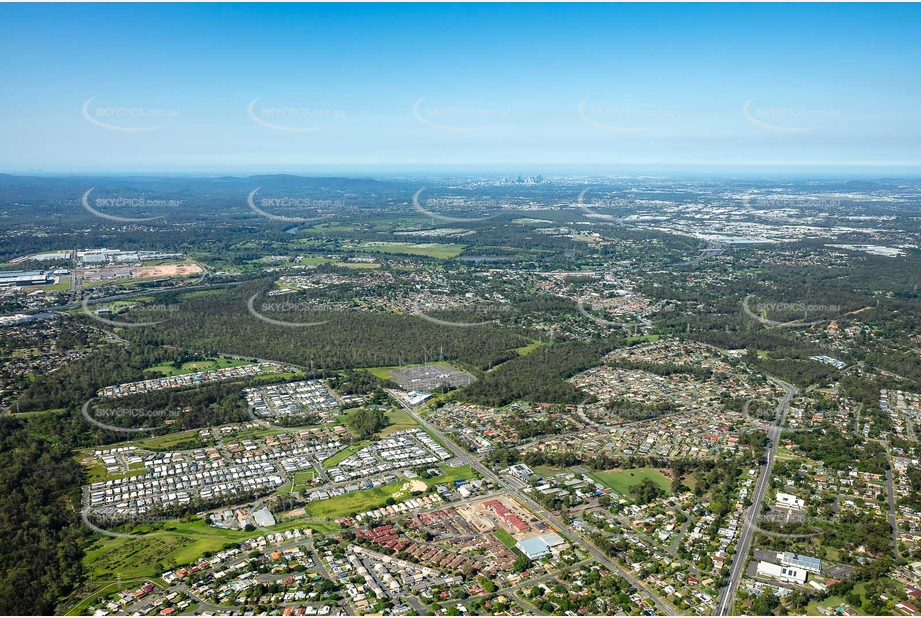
point(539, 376)
point(41, 535)
point(221, 323)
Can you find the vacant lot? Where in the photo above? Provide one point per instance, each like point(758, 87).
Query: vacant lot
point(167, 369)
point(399, 420)
point(621, 480)
point(435, 250)
point(187, 269)
point(169, 546)
point(355, 502)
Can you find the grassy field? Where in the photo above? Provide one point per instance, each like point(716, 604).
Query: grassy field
point(355, 502)
point(167, 369)
point(527, 349)
point(833, 602)
point(545, 471)
point(621, 480)
point(639, 338)
point(104, 593)
point(139, 557)
point(367, 499)
point(452, 474)
point(333, 461)
point(435, 250)
point(365, 265)
point(507, 539)
point(171, 545)
point(62, 286)
point(98, 473)
point(399, 420)
point(34, 413)
point(301, 478)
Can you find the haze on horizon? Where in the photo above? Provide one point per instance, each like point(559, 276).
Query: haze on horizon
point(448, 88)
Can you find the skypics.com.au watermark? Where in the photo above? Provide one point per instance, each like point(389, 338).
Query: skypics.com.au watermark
point(284, 308)
point(601, 203)
point(465, 112)
point(133, 202)
point(450, 202)
point(798, 307)
point(127, 413)
point(801, 525)
point(279, 118)
point(456, 119)
point(640, 414)
point(134, 413)
point(152, 310)
point(491, 311)
point(113, 118)
point(585, 306)
point(94, 520)
point(621, 119)
point(266, 419)
point(778, 118)
point(293, 202)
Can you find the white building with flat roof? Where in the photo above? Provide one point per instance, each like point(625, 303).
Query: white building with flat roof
point(789, 501)
point(792, 575)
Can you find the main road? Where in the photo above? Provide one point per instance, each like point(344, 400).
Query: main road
point(468, 459)
point(737, 570)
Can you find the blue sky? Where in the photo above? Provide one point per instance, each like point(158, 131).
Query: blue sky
point(339, 87)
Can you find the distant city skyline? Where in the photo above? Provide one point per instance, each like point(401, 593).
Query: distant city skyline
point(494, 89)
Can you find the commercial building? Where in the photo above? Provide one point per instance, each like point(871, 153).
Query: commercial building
point(263, 517)
point(25, 277)
point(813, 565)
point(521, 471)
point(790, 501)
point(533, 548)
point(782, 573)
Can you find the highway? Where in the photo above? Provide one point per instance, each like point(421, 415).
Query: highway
point(127, 295)
point(743, 545)
point(890, 488)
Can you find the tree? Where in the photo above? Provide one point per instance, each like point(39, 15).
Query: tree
point(522, 563)
point(364, 423)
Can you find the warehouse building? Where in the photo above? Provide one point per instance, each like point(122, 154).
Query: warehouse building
point(25, 277)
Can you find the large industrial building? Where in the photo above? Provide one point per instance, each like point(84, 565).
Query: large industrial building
point(25, 277)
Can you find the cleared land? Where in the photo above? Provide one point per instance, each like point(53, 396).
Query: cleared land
point(435, 250)
point(168, 546)
point(621, 480)
point(399, 420)
point(167, 369)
